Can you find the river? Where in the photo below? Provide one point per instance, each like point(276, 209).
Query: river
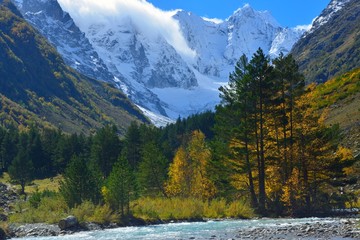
point(226, 229)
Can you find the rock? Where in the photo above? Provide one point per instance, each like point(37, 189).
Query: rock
point(34, 230)
point(68, 222)
point(90, 226)
point(2, 234)
point(3, 217)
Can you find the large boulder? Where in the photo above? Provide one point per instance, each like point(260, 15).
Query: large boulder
point(69, 222)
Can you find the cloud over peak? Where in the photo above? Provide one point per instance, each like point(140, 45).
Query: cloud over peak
point(149, 20)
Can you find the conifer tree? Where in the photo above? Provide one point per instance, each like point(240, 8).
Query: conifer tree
point(105, 150)
point(8, 147)
point(22, 169)
point(132, 145)
point(120, 187)
point(79, 183)
point(235, 122)
point(152, 170)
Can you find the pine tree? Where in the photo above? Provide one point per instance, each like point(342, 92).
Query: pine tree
point(8, 147)
point(120, 187)
point(79, 183)
point(22, 169)
point(235, 122)
point(105, 149)
point(152, 170)
point(132, 145)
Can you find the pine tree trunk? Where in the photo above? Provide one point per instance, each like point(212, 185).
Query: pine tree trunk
point(262, 194)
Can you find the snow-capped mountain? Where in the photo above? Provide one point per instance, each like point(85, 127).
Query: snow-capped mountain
point(219, 45)
point(333, 7)
point(53, 22)
point(149, 67)
point(59, 28)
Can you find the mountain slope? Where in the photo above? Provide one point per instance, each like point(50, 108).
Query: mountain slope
point(35, 79)
point(340, 99)
point(149, 68)
point(59, 28)
point(332, 46)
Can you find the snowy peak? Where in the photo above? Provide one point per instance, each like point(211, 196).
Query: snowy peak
point(154, 63)
point(333, 7)
point(285, 40)
point(220, 44)
point(247, 31)
point(59, 28)
point(247, 13)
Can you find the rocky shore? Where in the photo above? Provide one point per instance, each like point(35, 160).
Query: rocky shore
point(338, 229)
point(44, 230)
point(334, 229)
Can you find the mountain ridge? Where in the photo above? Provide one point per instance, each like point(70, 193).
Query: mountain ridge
point(332, 46)
point(36, 81)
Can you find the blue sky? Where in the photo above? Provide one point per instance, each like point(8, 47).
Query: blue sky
point(289, 13)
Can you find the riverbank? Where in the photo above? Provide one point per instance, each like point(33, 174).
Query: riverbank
point(315, 228)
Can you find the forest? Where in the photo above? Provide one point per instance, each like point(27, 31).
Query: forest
point(265, 151)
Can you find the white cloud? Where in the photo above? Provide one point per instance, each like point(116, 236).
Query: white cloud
point(303, 27)
point(214, 20)
point(150, 20)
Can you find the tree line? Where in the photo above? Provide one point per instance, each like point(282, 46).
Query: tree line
point(264, 143)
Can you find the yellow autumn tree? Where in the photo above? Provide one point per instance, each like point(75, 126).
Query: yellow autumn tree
point(188, 175)
point(179, 175)
point(200, 155)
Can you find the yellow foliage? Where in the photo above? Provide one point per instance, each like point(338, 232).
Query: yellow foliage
point(189, 208)
point(188, 172)
point(105, 194)
point(344, 154)
point(273, 182)
point(293, 189)
point(178, 183)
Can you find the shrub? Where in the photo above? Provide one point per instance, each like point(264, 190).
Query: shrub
point(239, 209)
point(89, 212)
point(215, 209)
point(104, 215)
point(48, 210)
point(188, 208)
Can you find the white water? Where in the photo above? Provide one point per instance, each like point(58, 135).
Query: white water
point(199, 230)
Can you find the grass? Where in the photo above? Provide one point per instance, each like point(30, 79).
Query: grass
point(166, 209)
point(88, 212)
point(5, 178)
point(50, 210)
point(48, 184)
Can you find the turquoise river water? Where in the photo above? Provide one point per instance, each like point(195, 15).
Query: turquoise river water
point(225, 229)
